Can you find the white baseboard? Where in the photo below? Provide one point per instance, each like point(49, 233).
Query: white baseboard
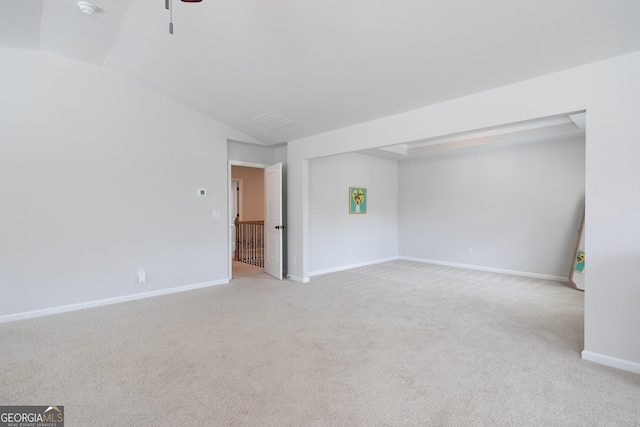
point(351, 266)
point(489, 269)
point(614, 362)
point(107, 301)
point(299, 279)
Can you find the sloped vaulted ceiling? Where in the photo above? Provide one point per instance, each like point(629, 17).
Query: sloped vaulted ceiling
point(324, 65)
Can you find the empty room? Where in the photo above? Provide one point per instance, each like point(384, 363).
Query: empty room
point(448, 225)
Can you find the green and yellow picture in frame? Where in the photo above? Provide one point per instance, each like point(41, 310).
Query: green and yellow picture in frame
point(579, 267)
point(357, 200)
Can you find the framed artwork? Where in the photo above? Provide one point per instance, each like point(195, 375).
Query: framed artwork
point(576, 277)
point(357, 200)
point(579, 268)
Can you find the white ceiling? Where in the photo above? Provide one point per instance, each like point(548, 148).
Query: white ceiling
point(537, 130)
point(329, 64)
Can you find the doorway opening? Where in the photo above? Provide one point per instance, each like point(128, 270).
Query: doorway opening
point(255, 213)
point(247, 215)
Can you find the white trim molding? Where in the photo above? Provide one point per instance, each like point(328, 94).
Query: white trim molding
point(299, 279)
point(107, 301)
point(489, 269)
point(247, 164)
point(614, 362)
point(351, 266)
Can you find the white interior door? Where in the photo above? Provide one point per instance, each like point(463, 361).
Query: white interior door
point(273, 220)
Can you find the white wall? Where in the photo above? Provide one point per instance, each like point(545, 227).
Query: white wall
point(338, 239)
point(517, 207)
point(251, 153)
point(610, 93)
point(98, 178)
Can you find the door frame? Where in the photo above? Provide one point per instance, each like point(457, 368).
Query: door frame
point(235, 202)
point(230, 204)
point(240, 182)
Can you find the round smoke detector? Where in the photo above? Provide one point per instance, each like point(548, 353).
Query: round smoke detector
point(87, 8)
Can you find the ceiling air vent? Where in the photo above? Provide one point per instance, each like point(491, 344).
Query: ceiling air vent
point(272, 120)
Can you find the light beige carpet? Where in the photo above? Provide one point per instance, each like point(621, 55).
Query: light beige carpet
point(396, 344)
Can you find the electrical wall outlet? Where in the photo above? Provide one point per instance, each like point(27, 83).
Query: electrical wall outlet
point(142, 276)
point(469, 251)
